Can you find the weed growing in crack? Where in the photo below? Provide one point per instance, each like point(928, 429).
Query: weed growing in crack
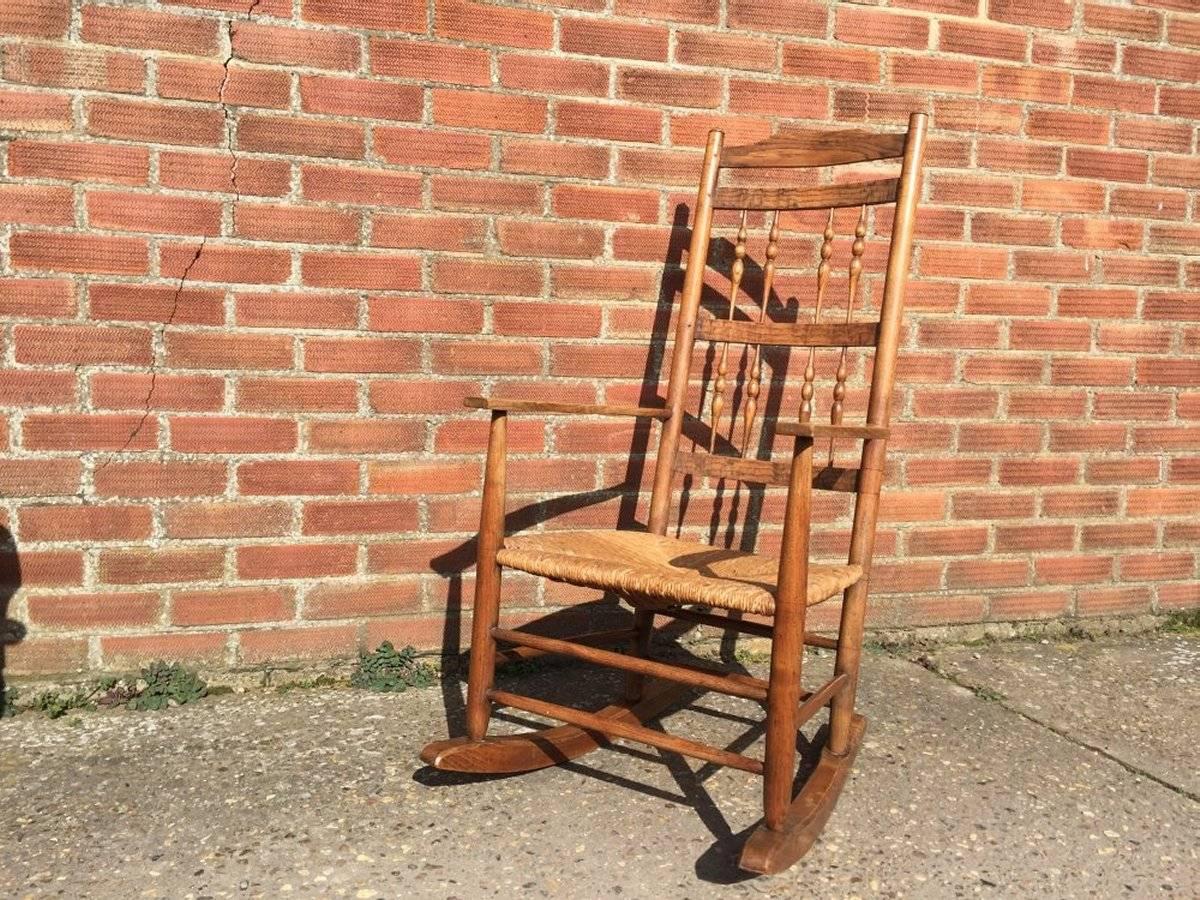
point(166, 685)
point(1183, 622)
point(390, 670)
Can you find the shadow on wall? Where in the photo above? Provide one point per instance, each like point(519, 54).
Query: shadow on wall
point(11, 631)
point(727, 503)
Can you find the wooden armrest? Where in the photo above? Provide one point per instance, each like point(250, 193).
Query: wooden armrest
point(550, 406)
point(809, 429)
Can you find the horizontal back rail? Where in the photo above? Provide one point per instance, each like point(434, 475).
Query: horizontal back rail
point(827, 196)
point(807, 149)
point(762, 471)
point(791, 334)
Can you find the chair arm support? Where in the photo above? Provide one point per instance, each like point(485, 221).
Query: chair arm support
point(811, 430)
point(554, 407)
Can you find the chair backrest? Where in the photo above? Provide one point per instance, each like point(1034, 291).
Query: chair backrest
point(756, 172)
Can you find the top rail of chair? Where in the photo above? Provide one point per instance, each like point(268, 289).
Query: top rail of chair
point(798, 149)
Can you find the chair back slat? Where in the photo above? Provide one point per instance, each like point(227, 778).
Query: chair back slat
point(754, 379)
point(810, 368)
point(762, 471)
point(789, 334)
point(735, 284)
point(827, 196)
point(856, 265)
point(803, 149)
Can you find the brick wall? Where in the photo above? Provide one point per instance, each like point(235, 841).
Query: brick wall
point(256, 251)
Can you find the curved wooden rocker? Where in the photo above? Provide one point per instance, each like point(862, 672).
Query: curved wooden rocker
point(660, 575)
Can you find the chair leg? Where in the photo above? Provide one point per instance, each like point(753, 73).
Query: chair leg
point(482, 671)
point(643, 629)
point(849, 656)
point(486, 613)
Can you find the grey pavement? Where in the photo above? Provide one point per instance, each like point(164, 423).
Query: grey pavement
point(1060, 770)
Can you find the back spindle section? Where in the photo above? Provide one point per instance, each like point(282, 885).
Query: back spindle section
point(856, 265)
point(810, 370)
point(719, 383)
point(754, 380)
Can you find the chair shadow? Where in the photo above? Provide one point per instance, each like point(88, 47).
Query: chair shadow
point(11, 631)
point(728, 505)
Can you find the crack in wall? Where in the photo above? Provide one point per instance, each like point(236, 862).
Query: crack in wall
point(187, 270)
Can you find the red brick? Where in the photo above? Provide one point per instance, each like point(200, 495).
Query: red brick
point(424, 477)
point(359, 517)
point(491, 195)
point(328, 95)
point(376, 15)
point(231, 606)
point(88, 431)
point(835, 63)
point(295, 560)
point(154, 122)
point(1169, 65)
point(126, 302)
point(281, 644)
point(35, 18)
point(484, 23)
point(1070, 53)
point(161, 565)
point(149, 30)
point(89, 611)
point(608, 121)
point(480, 109)
point(334, 600)
point(296, 395)
point(860, 25)
point(300, 137)
point(430, 61)
point(109, 522)
point(81, 345)
point(129, 653)
point(370, 271)
point(722, 50)
point(229, 263)
point(365, 436)
point(425, 232)
point(308, 47)
point(977, 39)
point(79, 161)
point(167, 479)
point(351, 184)
point(227, 520)
point(224, 350)
point(153, 213)
point(1039, 13)
point(1140, 24)
point(596, 37)
point(79, 252)
point(227, 434)
point(302, 224)
point(361, 355)
point(297, 477)
point(410, 314)
point(20, 388)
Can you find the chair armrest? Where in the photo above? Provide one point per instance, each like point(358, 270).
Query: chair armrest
point(808, 429)
point(554, 407)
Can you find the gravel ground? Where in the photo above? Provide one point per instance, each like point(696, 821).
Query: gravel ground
point(1058, 770)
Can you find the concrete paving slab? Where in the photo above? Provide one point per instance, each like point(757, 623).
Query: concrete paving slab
point(1136, 700)
point(320, 793)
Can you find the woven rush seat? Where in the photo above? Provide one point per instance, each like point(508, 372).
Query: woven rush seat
point(654, 569)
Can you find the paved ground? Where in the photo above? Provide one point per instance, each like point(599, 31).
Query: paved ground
point(1069, 771)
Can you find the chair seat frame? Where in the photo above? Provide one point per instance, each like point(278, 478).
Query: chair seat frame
point(791, 823)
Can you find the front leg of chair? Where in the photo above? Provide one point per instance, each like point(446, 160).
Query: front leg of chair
point(486, 615)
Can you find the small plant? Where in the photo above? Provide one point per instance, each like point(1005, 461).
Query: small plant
point(56, 704)
point(390, 670)
point(1183, 622)
point(167, 684)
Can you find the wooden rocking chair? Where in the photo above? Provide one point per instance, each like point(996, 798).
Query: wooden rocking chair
point(660, 575)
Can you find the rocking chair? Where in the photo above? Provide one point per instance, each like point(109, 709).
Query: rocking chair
point(662, 575)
